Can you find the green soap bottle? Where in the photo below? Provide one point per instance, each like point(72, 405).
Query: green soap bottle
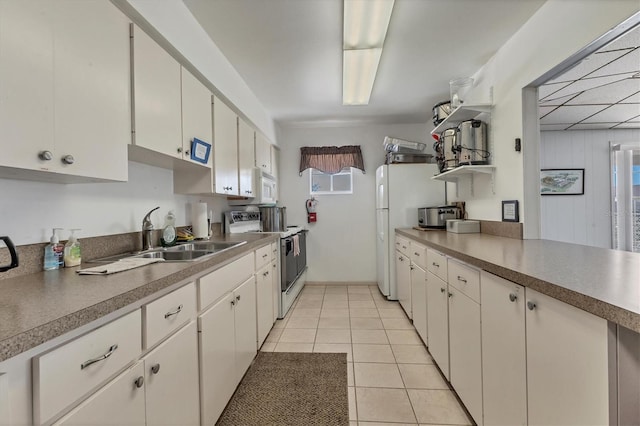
point(72, 254)
point(169, 234)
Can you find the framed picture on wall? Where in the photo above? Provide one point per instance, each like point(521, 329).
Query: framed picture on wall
point(562, 182)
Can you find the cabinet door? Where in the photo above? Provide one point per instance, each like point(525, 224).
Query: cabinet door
point(91, 89)
point(465, 352)
point(419, 301)
point(264, 291)
point(157, 97)
point(225, 158)
point(245, 321)
point(171, 378)
point(504, 368)
point(403, 281)
point(438, 322)
point(275, 288)
point(567, 364)
point(246, 157)
point(196, 114)
point(119, 402)
point(263, 153)
point(217, 358)
point(275, 161)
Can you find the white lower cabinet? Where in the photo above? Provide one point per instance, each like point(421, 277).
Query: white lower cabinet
point(567, 364)
point(403, 281)
point(264, 293)
point(504, 368)
point(419, 300)
point(438, 321)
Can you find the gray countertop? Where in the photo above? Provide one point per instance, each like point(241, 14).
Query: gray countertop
point(603, 282)
point(35, 308)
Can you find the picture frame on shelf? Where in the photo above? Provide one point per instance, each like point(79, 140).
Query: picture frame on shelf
point(561, 181)
point(510, 211)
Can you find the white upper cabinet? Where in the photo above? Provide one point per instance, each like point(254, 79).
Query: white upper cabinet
point(275, 161)
point(246, 157)
point(156, 97)
point(196, 115)
point(64, 97)
point(225, 152)
point(263, 153)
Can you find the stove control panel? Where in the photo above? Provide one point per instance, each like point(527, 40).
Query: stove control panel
point(235, 216)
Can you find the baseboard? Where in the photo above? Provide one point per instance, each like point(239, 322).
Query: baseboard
point(340, 283)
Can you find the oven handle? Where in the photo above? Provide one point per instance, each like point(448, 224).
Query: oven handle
point(288, 245)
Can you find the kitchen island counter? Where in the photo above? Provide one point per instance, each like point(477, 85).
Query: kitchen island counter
point(36, 308)
point(603, 282)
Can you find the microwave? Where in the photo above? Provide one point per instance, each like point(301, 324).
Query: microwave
point(265, 190)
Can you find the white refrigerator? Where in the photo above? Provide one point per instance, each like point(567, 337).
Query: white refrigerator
point(401, 189)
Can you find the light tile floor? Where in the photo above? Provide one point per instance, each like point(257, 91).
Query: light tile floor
point(392, 378)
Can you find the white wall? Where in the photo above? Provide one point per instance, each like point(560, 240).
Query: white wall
point(30, 209)
point(341, 245)
point(580, 219)
point(556, 31)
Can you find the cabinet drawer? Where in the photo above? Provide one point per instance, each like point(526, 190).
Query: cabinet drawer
point(465, 278)
point(419, 254)
point(274, 251)
point(216, 284)
point(437, 264)
point(402, 245)
point(263, 256)
point(166, 314)
point(65, 374)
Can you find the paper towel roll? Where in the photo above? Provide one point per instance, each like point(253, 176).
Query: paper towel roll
point(199, 220)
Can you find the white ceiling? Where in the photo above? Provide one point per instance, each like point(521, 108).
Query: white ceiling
point(600, 92)
point(289, 52)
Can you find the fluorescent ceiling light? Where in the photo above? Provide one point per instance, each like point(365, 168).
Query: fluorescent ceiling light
point(365, 29)
point(359, 73)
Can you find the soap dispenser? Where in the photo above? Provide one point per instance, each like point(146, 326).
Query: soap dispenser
point(72, 254)
point(169, 234)
point(54, 252)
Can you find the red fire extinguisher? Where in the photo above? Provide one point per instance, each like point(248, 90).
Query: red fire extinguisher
point(311, 210)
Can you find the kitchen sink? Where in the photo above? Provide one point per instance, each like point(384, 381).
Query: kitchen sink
point(187, 252)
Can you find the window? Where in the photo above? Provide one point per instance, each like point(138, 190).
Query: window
point(625, 165)
point(321, 183)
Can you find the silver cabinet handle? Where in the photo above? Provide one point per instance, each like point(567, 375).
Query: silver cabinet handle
point(172, 313)
point(238, 298)
point(435, 264)
point(442, 290)
point(233, 302)
point(401, 259)
point(461, 279)
point(265, 274)
point(450, 294)
point(513, 297)
point(531, 305)
point(155, 368)
point(179, 150)
point(411, 267)
point(416, 253)
point(68, 159)
point(404, 247)
point(45, 155)
point(274, 265)
point(264, 255)
point(110, 352)
point(139, 382)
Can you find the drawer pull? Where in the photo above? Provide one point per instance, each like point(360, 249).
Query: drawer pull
point(442, 290)
point(531, 305)
point(513, 297)
point(461, 279)
point(233, 302)
point(111, 350)
point(172, 313)
point(139, 382)
point(416, 253)
point(155, 368)
point(265, 274)
point(411, 267)
point(435, 264)
point(264, 255)
point(450, 294)
point(238, 298)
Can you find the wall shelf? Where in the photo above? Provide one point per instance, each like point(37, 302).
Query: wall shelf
point(460, 114)
point(467, 171)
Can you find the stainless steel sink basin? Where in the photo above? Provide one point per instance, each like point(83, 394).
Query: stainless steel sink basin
point(187, 252)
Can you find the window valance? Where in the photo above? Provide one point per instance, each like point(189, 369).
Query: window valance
point(331, 159)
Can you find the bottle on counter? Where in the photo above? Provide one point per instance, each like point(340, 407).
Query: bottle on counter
point(54, 252)
point(169, 234)
point(72, 253)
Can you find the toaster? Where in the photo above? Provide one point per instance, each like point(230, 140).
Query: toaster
point(436, 217)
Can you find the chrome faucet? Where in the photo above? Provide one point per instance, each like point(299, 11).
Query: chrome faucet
point(147, 231)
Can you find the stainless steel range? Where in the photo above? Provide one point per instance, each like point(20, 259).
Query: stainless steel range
point(293, 253)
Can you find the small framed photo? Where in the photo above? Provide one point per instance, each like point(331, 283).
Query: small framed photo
point(200, 151)
point(561, 181)
point(510, 211)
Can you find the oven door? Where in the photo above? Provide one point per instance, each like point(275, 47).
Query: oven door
point(288, 263)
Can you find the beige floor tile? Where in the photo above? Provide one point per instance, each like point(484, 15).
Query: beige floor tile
point(360, 297)
point(314, 289)
point(335, 348)
point(330, 298)
point(391, 313)
point(372, 353)
point(359, 289)
point(384, 405)
point(422, 376)
point(374, 375)
point(411, 354)
point(397, 324)
point(294, 347)
point(335, 305)
point(334, 313)
point(306, 312)
point(364, 313)
point(369, 336)
point(268, 347)
point(309, 304)
point(353, 412)
point(328, 335)
point(335, 289)
point(366, 324)
point(274, 334)
point(437, 406)
point(302, 322)
point(382, 303)
point(350, 380)
point(298, 335)
point(311, 296)
point(333, 323)
point(280, 323)
point(362, 304)
point(386, 424)
point(403, 337)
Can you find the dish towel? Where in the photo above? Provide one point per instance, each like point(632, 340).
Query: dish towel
point(296, 245)
point(119, 266)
